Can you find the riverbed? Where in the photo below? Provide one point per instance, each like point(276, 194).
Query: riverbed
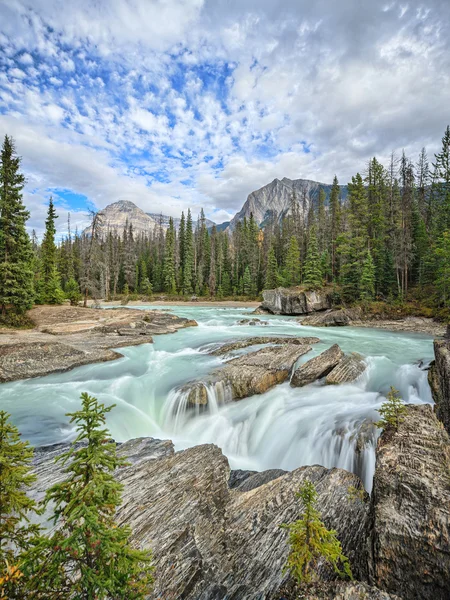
point(283, 428)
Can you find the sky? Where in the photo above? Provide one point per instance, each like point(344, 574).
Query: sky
point(195, 103)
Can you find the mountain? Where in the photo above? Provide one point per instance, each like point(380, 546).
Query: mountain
point(274, 200)
point(115, 216)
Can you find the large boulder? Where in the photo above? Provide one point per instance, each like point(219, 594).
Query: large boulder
point(255, 341)
point(283, 301)
point(333, 318)
point(209, 541)
point(410, 513)
point(348, 369)
point(439, 378)
point(253, 373)
point(317, 367)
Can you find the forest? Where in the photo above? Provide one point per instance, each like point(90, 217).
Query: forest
point(389, 240)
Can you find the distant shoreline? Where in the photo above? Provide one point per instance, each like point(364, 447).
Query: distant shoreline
point(199, 303)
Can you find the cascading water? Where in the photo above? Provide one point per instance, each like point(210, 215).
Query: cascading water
point(283, 428)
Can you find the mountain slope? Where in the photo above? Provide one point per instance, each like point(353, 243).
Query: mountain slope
point(274, 200)
point(114, 217)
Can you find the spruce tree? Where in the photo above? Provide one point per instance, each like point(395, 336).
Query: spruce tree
point(392, 411)
point(188, 265)
point(247, 282)
point(367, 282)
point(442, 254)
point(169, 260)
point(16, 275)
point(51, 285)
point(312, 543)
point(335, 213)
point(292, 264)
point(271, 271)
point(88, 556)
point(312, 272)
point(17, 534)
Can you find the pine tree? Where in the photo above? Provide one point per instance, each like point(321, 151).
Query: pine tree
point(188, 265)
point(367, 282)
point(312, 543)
point(442, 182)
point(442, 254)
point(312, 273)
point(335, 212)
point(88, 556)
point(247, 282)
point(73, 292)
point(391, 411)
point(16, 276)
point(169, 260)
point(17, 534)
point(271, 271)
point(51, 284)
point(292, 264)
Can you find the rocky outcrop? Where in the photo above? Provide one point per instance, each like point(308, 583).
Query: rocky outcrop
point(284, 301)
point(410, 514)
point(253, 373)
point(342, 590)
point(67, 337)
point(255, 341)
point(439, 379)
point(212, 542)
point(333, 318)
point(317, 367)
point(244, 481)
point(348, 369)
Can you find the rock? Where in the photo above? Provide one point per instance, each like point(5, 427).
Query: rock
point(332, 318)
point(348, 369)
point(283, 301)
point(66, 337)
point(211, 542)
point(253, 373)
point(317, 367)
point(439, 379)
point(123, 213)
point(252, 322)
point(254, 341)
point(334, 590)
point(249, 480)
point(410, 516)
point(260, 311)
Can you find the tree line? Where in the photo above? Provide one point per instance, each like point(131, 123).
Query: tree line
point(389, 238)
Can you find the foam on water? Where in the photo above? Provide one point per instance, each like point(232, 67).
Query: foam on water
point(283, 428)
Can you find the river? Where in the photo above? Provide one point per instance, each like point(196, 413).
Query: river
point(283, 428)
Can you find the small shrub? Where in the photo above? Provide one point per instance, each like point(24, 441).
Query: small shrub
point(391, 411)
point(311, 542)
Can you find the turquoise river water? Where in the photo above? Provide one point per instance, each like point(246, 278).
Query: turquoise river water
point(283, 428)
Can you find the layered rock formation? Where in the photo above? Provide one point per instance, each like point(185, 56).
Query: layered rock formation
point(410, 513)
point(348, 369)
point(211, 542)
point(67, 337)
point(284, 301)
point(333, 318)
point(439, 379)
point(317, 367)
point(116, 216)
point(255, 341)
point(253, 373)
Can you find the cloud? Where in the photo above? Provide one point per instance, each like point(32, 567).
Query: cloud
point(191, 103)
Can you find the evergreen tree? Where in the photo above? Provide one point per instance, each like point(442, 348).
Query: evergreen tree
point(312, 272)
point(169, 260)
point(442, 182)
point(312, 543)
point(271, 271)
point(247, 282)
point(335, 212)
point(292, 264)
point(88, 556)
point(17, 534)
point(16, 276)
point(51, 284)
point(391, 411)
point(442, 253)
point(367, 282)
point(188, 265)
point(73, 292)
